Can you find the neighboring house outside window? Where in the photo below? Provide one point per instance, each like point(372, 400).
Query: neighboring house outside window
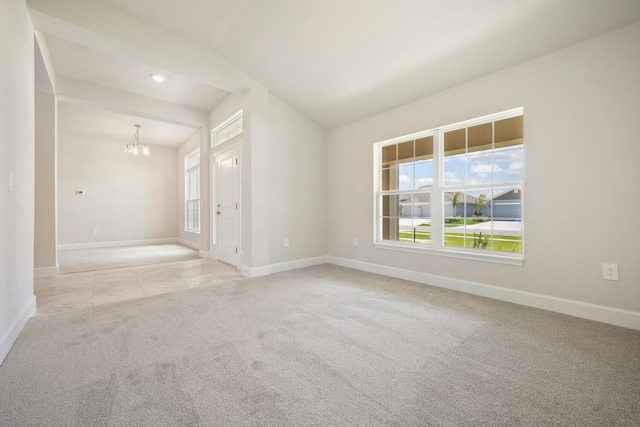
point(192, 191)
point(456, 190)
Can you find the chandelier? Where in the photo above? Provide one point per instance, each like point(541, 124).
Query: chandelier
point(134, 147)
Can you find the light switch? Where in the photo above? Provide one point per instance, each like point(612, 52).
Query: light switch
point(11, 182)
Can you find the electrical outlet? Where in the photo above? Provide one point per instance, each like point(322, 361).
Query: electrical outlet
point(355, 241)
point(95, 231)
point(610, 271)
point(286, 242)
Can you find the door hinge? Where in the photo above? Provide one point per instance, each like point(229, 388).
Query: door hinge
point(236, 250)
point(236, 206)
point(236, 162)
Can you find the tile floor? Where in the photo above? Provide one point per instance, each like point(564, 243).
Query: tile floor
point(84, 290)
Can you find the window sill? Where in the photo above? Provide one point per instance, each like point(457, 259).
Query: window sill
point(450, 253)
point(192, 232)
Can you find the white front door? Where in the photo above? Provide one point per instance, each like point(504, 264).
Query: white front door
point(228, 206)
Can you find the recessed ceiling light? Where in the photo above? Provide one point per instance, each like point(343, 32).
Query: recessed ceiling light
point(157, 78)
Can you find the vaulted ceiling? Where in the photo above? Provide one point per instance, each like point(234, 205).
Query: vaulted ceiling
point(336, 61)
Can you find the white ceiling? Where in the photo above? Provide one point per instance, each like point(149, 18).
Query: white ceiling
point(338, 61)
point(83, 63)
point(101, 123)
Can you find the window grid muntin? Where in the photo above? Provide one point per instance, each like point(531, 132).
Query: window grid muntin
point(438, 188)
point(228, 129)
point(469, 187)
point(402, 164)
point(192, 192)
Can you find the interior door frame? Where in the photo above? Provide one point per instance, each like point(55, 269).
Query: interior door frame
point(232, 144)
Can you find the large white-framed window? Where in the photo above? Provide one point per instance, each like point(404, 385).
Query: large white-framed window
point(456, 190)
point(231, 127)
point(192, 191)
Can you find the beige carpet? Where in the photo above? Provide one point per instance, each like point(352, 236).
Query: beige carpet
point(79, 260)
point(321, 346)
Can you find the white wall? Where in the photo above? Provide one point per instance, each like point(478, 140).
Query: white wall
point(127, 197)
point(283, 179)
point(225, 109)
point(581, 107)
point(255, 171)
point(45, 256)
point(255, 179)
point(17, 302)
point(297, 184)
point(188, 147)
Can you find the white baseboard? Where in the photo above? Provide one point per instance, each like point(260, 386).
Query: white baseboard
point(282, 266)
point(11, 334)
point(189, 243)
point(42, 272)
point(204, 254)
point(599, 313)
point(299, 263)
point(255, 271)
point(98, 245)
